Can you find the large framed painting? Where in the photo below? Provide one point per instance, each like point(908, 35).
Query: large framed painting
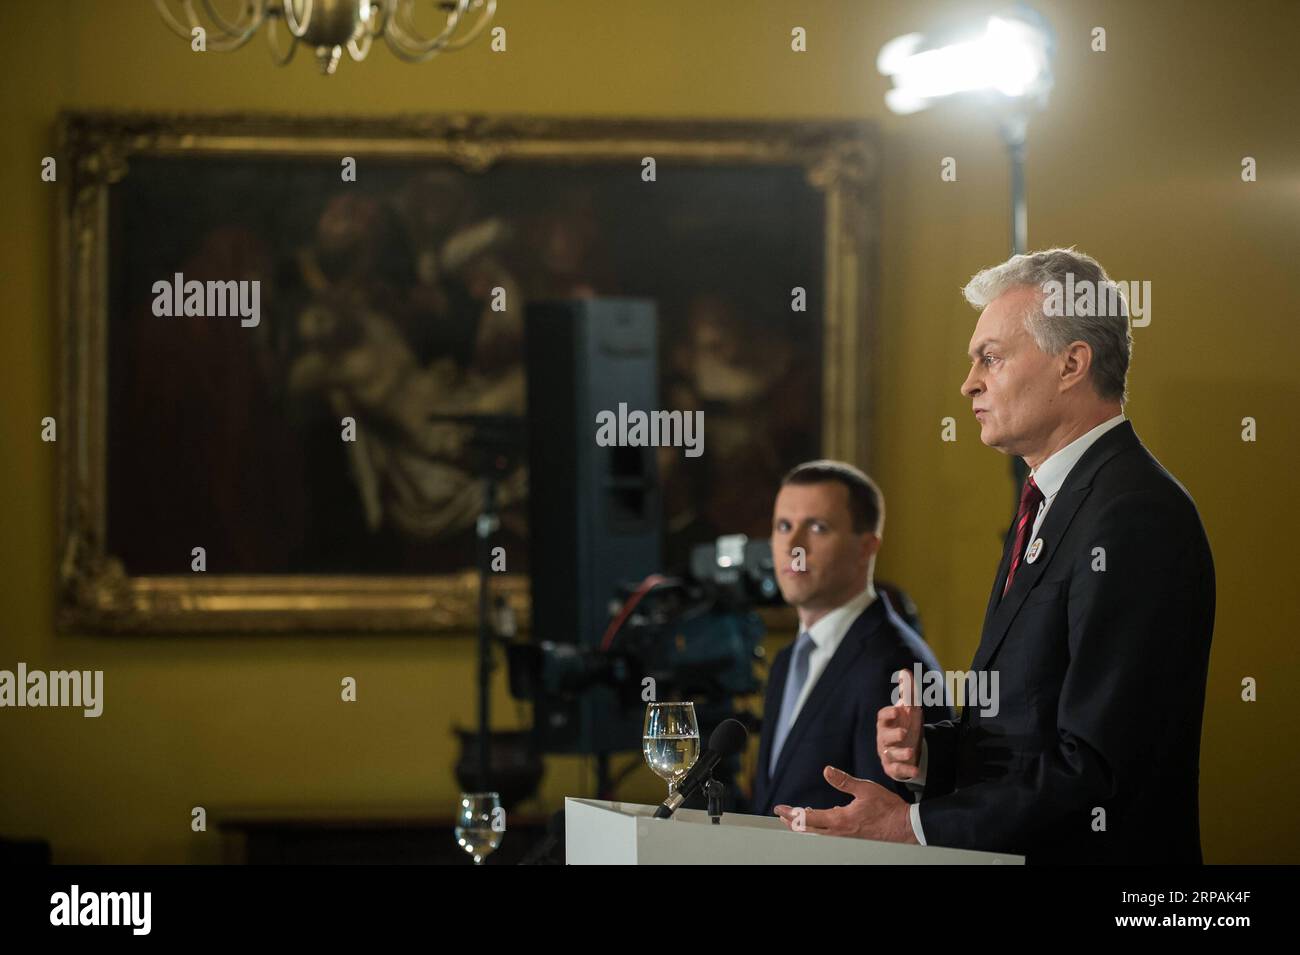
point(236, 289)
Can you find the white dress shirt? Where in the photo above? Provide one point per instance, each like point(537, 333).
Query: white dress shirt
point(827, 634)
point(1050, 477)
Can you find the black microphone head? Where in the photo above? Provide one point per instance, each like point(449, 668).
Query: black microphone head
point(729, 738)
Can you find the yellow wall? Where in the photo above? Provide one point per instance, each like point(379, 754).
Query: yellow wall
point(1136, 162)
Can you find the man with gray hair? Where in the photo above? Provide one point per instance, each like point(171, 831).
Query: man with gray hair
point(1099, 621)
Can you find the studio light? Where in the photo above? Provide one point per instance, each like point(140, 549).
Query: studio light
point(1009, 58)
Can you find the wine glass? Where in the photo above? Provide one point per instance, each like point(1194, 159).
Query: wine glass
point(475, 832)
point(670, 741)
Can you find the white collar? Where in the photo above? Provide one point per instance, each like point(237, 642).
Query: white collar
point(829, 631)
point(1051, 474)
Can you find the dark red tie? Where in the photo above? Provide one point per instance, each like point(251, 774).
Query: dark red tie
point(1030, 498)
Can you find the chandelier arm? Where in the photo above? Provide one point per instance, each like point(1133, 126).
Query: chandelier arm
point(273, 41)
point(379, 18)
point(359, 52)
point(229, 44)
point(410, 56)
point(172, 23)
point(484, 19)
point(217, 44)
point(403, 29)
point(360, 42)
point(295, 26)
point(254, 11)
point(225, 44)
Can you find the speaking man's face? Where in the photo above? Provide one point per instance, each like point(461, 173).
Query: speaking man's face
point(1013, 384)
point(831, 564)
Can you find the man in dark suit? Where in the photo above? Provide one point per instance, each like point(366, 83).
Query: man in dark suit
point(1099, 622)
point(826, 689)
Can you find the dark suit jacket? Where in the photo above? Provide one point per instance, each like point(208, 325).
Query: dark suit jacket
point(1102, 676)
point(837, 723)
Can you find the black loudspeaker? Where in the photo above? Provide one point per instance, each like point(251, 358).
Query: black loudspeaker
point(595, 513)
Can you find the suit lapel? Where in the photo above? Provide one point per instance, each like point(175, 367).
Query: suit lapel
point(853, 644)
point(994, 595)
point(1000, 613)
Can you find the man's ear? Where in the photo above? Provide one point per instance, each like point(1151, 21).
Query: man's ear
point(1078, 359)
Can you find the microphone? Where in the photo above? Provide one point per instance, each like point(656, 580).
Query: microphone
point(727, 740)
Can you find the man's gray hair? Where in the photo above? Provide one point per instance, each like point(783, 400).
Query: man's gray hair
point(1106, 330)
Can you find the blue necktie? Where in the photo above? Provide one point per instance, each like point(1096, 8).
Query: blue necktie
point(794, 682)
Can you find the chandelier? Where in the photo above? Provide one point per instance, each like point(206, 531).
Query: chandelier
point(329, 26)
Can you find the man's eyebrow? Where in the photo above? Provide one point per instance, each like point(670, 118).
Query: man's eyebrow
point(982, 345)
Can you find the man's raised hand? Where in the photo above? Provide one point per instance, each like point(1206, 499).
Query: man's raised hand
point(898, 733)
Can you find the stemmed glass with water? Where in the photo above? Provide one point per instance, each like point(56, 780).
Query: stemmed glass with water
point(475, 829)
point(670, 741)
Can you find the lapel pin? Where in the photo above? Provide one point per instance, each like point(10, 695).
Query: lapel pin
point(1035, 549)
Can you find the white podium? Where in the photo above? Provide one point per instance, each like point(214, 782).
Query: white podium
point(620, 833)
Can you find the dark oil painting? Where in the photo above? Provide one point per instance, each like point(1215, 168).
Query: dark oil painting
point(376, 303)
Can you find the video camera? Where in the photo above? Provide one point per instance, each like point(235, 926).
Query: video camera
point(695, 638)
